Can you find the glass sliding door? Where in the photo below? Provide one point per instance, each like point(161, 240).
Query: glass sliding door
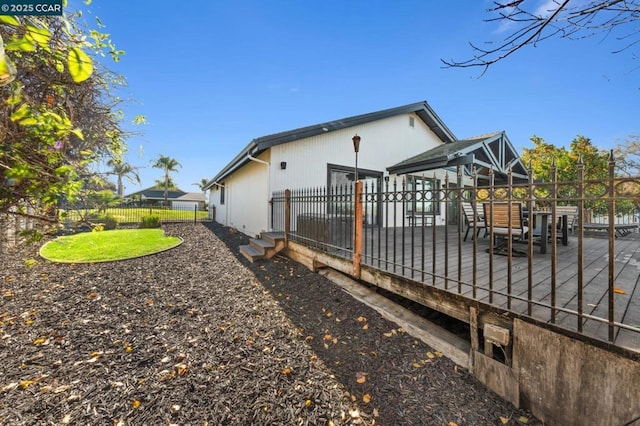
point(341, 177)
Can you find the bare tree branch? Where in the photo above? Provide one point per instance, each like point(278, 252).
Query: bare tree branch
point(569, 19)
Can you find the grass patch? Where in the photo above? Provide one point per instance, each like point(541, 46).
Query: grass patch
point(107, 245)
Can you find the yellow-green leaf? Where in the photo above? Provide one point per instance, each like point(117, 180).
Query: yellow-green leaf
point(29, 122)
point(78, 133)
point(20, 113)
point(7, 69)
point(59, 65)
point(20, 44)
point(80, 65)
point(15, 99)
point(9, 20)
point(39, 35)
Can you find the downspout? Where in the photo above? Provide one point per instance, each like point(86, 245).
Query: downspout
point(266, 163)
point(257, 160)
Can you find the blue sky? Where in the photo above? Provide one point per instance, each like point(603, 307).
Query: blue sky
point(212, 75)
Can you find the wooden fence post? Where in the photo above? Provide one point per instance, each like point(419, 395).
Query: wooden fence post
point(287, 216)
point(357, 228)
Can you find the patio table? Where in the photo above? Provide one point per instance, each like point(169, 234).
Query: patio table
point(543, 230)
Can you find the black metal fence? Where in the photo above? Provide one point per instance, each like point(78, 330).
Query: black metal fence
point(131, 214)
point(321, 218)
point(564, 277)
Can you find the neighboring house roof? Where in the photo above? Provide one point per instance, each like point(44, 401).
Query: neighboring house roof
point(155, 193)
point(261, 144)
point(490, 151)
point(192, 196)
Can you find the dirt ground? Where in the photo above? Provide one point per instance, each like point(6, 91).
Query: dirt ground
point(198, 335)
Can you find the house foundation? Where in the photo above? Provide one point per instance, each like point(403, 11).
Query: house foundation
point(562, 380)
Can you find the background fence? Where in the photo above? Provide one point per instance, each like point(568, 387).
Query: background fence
point(132, 214)
point(13, 227)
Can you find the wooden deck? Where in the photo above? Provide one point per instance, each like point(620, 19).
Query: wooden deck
point(449, 263)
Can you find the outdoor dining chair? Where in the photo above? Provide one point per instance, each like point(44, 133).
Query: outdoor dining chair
point(502, 224)
point(472, 217)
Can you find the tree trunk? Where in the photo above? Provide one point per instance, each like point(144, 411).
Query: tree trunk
point(120, 186)
point(166, 186)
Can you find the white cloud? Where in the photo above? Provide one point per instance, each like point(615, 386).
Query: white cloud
point(546, 8)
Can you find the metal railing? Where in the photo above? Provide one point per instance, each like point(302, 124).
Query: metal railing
point(584, 287)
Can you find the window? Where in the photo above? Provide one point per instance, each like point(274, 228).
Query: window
point(222, 194)
point(340, 181)
point(422, 193)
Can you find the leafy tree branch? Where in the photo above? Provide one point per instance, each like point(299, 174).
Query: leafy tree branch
point(60, 116)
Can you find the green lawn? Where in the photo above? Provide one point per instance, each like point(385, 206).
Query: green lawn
point(107, 245)
point(134, 214)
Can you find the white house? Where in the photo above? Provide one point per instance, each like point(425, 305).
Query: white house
point(177, 198)
point(396, 141)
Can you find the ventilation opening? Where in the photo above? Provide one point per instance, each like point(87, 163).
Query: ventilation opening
point(412, 121)
point(455, 326)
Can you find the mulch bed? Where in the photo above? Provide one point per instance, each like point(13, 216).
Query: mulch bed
point(196, 335)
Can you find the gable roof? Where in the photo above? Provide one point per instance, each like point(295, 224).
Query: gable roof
point(261, 144)
point(155, 193)
point(192, 196)
point(490, 151)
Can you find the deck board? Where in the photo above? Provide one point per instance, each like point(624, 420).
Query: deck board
point(421, 256)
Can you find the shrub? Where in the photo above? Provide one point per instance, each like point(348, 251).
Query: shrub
point(107, 221)
point(150, 221)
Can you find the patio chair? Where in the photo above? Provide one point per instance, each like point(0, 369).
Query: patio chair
point(469, 214)
point(572, 216)
point(497, 221)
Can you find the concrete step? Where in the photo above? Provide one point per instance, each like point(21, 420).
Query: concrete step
point(268, 245)
point(251, 253)
point(261, 245)
point(272, 237)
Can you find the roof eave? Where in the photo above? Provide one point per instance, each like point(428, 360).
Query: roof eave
point(261, 144)
point(238, 161)
point(432, 163)
point(422, 109)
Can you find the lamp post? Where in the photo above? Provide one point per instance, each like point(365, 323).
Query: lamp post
point(356, 148)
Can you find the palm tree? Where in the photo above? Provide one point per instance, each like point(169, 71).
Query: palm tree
point(168, 165)
point(123, 170)
point(203, 182)
point(171, 185)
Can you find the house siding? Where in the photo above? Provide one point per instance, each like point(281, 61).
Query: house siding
point(184, 205)
point(384, 143)
point(246, 202)
point(215, 205)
